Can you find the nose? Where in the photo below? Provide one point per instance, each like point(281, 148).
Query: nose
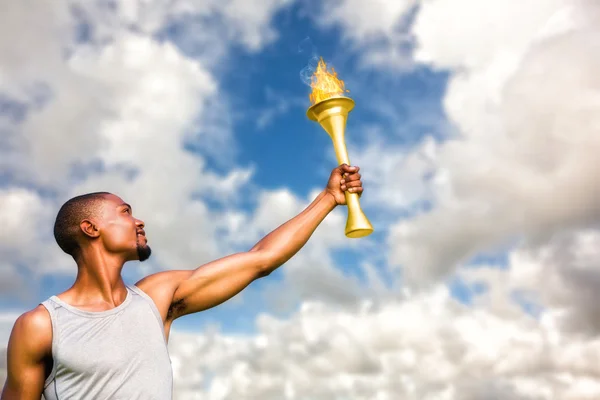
point(139, 223)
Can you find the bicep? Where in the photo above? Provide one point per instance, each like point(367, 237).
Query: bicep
point(26, 353)
point(217, 281)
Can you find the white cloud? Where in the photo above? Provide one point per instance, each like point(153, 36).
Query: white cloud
point(252, 20)
point(396, 178)
point(27, 247)
point(7, 320)
point(378, 28)
point(20, 211)
point(362, 21)
point(116, 112)
point(246, 23)
point(279, 104)
point(36, 55)
point(559, 276)
point(313, 272)
point(424, 347)
point(525, 161)
point(129, 108)
point(472, 34)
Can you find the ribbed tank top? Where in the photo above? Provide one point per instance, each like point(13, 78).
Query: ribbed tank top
point(118, 354)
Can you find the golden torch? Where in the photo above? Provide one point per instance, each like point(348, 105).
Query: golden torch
point(330, 108)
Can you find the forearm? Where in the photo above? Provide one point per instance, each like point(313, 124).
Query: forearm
point(285, 241)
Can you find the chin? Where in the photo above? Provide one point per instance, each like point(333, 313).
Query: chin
point(143, 252)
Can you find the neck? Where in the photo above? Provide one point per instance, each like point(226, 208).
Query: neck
point(99, 279)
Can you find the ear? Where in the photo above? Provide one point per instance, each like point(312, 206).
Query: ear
point(89, 228)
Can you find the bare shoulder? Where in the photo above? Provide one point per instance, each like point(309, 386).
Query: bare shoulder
point(28, 355)
point(33, 332)
point(161, 287)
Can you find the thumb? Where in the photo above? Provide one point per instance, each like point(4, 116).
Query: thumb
point(340, 170)
point(345, 168)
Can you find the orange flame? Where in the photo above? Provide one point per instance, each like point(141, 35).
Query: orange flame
point(325, 84)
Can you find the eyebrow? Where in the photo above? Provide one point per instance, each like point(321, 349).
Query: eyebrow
point(126, 205)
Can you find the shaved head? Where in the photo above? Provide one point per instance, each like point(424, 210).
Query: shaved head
point(66, 227)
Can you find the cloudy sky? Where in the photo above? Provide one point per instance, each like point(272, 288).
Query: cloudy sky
point(477, 129)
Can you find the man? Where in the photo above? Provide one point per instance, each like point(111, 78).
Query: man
point(102, 339)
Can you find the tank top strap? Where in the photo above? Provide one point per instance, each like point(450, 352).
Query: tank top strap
point(52, 307)
point(152, 305)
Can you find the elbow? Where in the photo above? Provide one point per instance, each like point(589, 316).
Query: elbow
point(266, 262)
point(264, 273)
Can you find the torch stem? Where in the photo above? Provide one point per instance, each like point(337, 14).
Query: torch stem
point(339, 144)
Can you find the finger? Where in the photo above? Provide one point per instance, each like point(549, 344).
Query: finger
point(354, 189)
point(357, 190)
point(348, 168)
point(353, 183)
point(350, 182)
point(353, 177)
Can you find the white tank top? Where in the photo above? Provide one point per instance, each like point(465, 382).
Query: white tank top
point(118, 354)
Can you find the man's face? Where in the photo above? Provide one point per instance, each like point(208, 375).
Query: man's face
point(120, 232)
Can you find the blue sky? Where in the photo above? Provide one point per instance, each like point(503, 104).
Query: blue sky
point(272, 135)
point(293, 152)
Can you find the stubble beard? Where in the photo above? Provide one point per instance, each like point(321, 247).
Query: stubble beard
point(143, 251)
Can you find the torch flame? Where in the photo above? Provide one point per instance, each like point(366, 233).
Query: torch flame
point(325, 84)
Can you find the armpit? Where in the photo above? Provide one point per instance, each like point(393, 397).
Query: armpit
point(176, 309)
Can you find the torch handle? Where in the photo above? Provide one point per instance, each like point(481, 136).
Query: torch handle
point(357, 224)
point(341, 153)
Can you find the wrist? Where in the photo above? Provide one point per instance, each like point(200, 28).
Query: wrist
point(330, 199)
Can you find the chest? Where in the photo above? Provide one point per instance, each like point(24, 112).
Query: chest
point(129, 341)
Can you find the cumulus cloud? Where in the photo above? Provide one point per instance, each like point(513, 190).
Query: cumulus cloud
point(26, 242)
point(312, 273)
point(124, 114)
point(217, 22)
point(362, 21)
point(107, 105)
point(36, 56)
point(524, 163)
point(422, 346)
point(377, 29)
point(467, 33)
point(7, 320)
point(558, 278)
point(427, 346)
point(397, 178)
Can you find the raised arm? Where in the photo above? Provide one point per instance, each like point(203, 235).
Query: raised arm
point(29, 350)
point(213, 283)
